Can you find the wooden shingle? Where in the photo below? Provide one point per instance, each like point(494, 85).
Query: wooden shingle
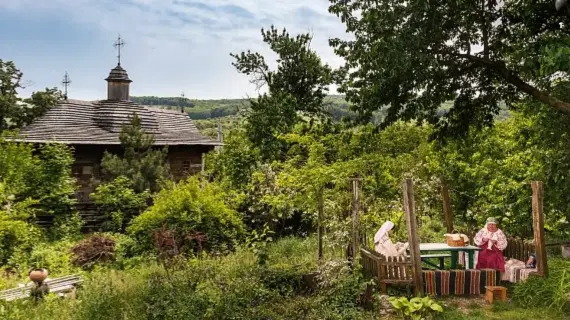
point(100, 122)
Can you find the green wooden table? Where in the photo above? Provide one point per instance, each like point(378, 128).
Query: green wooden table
point(443, 247)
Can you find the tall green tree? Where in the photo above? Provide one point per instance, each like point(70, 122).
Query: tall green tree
point(144, 165)
point(411, 56)
point(16, 112)
point(296, 87)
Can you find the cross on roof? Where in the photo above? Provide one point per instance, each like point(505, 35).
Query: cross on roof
point(118, 44)
point(66, 81)
point(182, 102)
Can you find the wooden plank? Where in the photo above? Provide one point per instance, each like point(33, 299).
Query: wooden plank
point(538, 226)
point(355, 216)
point(447, 213)
point(413, 237)
point(321, 229)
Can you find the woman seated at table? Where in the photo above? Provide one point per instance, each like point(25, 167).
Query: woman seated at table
point(492, 241)
point(383, 244)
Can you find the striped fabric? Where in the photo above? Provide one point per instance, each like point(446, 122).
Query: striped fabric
point(459, 282)
point(516, 271)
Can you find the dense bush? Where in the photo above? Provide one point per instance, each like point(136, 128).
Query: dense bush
point(16, 233)
point(119, 203)
point(44, 176)
point(186, 209)
point(55, 256)
point(552, 292)
point(231, 287)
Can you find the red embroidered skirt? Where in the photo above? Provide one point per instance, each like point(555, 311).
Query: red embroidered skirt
point(491, 259)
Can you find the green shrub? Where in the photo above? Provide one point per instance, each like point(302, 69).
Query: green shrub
point(186, 209)
point(119, 202)
point(552, 292)
point(67, 227)
point(55, 256)
point(16, 233)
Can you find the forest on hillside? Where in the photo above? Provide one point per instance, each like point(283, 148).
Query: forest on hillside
point(216, 108)
point(335, 106)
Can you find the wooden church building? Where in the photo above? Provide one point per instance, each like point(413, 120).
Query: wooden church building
point(93, 127)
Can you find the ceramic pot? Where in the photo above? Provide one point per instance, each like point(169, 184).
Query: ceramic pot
point(38, 275)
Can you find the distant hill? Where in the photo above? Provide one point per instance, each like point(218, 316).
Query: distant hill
point(209, 109)
point(212, 109)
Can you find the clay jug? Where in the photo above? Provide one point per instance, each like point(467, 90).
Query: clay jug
point(38, 275)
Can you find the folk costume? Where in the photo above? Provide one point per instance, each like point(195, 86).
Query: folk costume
point(492, 241)
point(383, 244)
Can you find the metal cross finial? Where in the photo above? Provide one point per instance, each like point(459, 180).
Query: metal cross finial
point(182, 102)
point(66, 81)
point(118, 44)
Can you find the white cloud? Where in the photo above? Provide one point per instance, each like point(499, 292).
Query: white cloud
point(181, 45)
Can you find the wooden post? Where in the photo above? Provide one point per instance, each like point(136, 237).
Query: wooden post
point(447, 213)
point(355, 217)
point(203, 163)
point(220, 137)
point(538, 226)
point(321, 228)
point(413, 237)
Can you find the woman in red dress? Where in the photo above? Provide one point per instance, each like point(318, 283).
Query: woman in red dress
point(492, 241)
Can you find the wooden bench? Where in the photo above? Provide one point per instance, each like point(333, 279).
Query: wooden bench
point(387, 270)
point(519, 249)
point(440, 256)
point(56, 285)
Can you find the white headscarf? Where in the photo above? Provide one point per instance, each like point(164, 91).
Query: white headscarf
point(382, 233)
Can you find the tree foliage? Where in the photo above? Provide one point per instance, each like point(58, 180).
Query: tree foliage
point(410, 57)
point(144, 165)
point(16, 112)
point(298, 86)
point(44, 176)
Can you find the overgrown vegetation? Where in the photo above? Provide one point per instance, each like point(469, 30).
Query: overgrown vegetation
point(217, 247)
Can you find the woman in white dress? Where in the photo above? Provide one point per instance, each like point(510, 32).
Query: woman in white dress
point(383, 244)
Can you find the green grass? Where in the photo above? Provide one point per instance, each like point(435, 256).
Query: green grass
point(235, 287)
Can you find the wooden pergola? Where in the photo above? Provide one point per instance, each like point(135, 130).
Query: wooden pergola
point(414, 263)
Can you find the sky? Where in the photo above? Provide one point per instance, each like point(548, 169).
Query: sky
point(171, 46)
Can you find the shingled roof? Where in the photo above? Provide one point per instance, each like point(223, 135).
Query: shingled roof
point(100, 122)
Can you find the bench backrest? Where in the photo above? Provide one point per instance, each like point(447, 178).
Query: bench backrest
point(519, 249)
point(387, 270)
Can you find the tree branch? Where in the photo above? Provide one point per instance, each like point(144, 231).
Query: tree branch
point(519, 83)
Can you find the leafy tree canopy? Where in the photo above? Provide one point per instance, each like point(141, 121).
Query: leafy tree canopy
point(409, 57)
point(297, 86)
point(16, 112)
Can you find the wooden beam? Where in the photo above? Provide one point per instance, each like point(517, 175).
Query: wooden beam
point(355, 217)
point(321, 228)
point(538, 226)
point(447, 213)
point(413, 237)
